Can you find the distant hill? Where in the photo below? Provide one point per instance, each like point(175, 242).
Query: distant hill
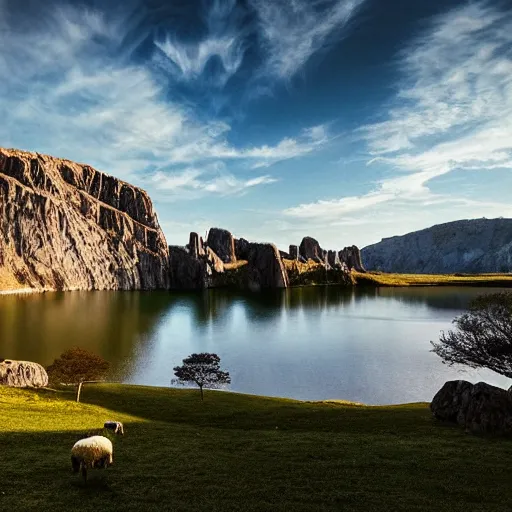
point(466, 246)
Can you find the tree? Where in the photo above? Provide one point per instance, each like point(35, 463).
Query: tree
point(483, 338)
point(76, 366)
point(203, 370)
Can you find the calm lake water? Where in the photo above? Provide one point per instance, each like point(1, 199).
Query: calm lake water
point(307, 343)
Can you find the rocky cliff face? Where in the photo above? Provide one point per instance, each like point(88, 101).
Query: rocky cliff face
point(466, 246)
point(67, 226)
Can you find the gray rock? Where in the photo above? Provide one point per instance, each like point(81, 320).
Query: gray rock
point(241, 248)
point(351, 256)
point(22, 374)
point(265, 267)
point(195, 245)
point(333, 259)
point(222, 243)
point(294, 252)
point(465, 246)
point(479, 408)
point(284, 255)
point(310, 249)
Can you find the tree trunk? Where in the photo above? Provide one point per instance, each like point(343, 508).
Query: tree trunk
point(201, 389)
point(78, 391)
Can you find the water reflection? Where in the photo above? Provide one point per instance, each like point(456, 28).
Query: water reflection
point(370, 345)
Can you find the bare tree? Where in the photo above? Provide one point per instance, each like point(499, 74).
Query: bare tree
point(76, 366)
point(483, 338)
point(203, 370)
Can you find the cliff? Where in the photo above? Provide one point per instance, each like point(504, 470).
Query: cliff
point(464, 246)
point(67, 226)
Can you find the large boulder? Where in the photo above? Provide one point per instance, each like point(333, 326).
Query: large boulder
point(22, 374)
point(351, 256)
point(195, 245)
point(293, 251)
point(265, 267)
point(222, 243)
point(310, 249)
point(479, 408)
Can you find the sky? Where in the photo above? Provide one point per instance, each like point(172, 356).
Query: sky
point(345, 120)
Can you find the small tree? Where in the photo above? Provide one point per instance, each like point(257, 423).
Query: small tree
point(76, 366)
point(483, 338)
point(203, 370)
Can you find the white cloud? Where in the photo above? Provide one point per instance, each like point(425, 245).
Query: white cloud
point(292, 31)
point(453, 112)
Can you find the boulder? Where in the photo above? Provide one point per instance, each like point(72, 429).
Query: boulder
point(479, 408)
point(265, 267)
point(222, 243)
point(294, 252)
point(22, 374)
point(352, 257)
point(213, 260)
point(310, 249)
point(284, 255)
point(241, 248)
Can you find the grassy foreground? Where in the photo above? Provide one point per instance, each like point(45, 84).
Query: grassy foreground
point(383, 279)
point(239, 452)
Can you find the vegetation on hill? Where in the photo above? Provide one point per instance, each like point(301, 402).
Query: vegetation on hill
point(239, 452)
point(383, 279)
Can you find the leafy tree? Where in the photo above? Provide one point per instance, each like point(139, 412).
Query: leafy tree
point(76, 366)
point(483, 338)
point(203, 370)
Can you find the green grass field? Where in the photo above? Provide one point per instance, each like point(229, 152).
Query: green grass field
point(239, 452)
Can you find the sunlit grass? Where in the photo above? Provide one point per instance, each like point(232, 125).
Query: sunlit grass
point(240, 452)
point(383, 279)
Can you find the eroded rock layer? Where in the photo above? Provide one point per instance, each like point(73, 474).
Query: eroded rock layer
point(66, 226)
point(22, 374)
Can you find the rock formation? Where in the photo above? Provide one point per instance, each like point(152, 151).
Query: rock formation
point(333, 259)
point(479, 408)
point(241, 248)
point(265, 268)
point(222, 243)
point(294, 252)
point(466, 246)
point(22, 374)
point(352, 258)
point(67, 226)
point(310, 249)
point(195, 245)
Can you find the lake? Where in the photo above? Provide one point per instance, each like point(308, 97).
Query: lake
point(367, 345)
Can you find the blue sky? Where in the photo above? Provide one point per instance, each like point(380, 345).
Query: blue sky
point(347, 120)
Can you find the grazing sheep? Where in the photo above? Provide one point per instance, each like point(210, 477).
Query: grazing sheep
point(91, 452)
point(115, 426)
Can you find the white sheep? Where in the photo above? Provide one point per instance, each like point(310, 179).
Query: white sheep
point(91, 452)
point(115, 426)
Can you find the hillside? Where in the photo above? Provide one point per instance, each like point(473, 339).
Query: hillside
point(464, 246)
point(243, 453)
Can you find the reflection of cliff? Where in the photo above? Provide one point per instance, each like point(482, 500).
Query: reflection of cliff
point(39, 327)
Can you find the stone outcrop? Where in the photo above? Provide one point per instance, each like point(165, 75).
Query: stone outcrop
point(333, 259)
point(310, 249)
point(265, 268)
point(222, 243)
point(351, 256)
point(22, 374)
point(195, 245)
point(68, 226)
point(293, 252)
point(479, 408)
point(241, 248)
point(465, 246)
point(284, 255)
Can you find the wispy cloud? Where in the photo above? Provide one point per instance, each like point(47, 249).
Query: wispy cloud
point(224, 41)
point(68, 90)
point(292, 31)
point(193, 183)
point(453, 112)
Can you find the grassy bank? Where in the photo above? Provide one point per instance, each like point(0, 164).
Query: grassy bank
point(238, 452)
point(383, 279)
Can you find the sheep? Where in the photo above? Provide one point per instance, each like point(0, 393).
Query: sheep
point(115, 426)
point(91, 452)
